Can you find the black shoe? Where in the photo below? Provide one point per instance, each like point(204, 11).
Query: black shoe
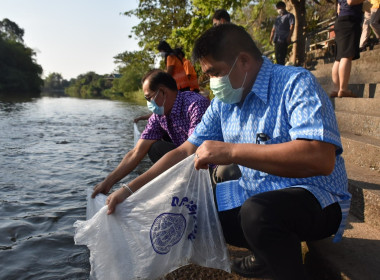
point(249, 267)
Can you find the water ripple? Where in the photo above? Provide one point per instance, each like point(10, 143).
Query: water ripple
point(51, 150)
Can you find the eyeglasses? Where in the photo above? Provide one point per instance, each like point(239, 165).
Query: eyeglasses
point(152, 97)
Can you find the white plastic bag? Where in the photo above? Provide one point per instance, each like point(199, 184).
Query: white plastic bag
point(170, 222)
point(136, 133)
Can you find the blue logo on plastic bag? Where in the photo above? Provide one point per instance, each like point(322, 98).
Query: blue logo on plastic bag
point(166, 231)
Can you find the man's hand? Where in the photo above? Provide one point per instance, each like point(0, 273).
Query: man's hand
point(115, 198)
point(101, 188)
point(142, 118)
point(138, 119)
point(213, 152)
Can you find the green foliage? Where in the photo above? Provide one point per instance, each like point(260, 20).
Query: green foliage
point(258, 19)
point(316, 13)
point(10, 31)
point(132, 66)
point(89, 85)
point(54, 84)
point(180, 23)
point(19, 73)
point(158, 19)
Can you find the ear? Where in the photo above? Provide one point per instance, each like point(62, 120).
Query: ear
point(246, 61)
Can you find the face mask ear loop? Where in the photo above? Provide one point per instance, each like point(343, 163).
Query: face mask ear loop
point(233, 65)
point(245, 77)
point(163, 104)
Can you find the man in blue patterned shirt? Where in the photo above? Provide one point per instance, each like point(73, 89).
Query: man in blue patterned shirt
point(278, 125)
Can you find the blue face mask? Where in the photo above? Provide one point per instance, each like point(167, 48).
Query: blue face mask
point(153, 107)
point(223, 90)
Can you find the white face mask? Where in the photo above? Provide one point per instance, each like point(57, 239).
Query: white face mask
point(223, 90)
point(162, 54)
point(280, 11)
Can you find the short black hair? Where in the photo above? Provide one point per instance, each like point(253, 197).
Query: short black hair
point(224, 42)
point(164, 46)
point(158, 78)
point(280, 5)
point(179, 52)
point(221, 13)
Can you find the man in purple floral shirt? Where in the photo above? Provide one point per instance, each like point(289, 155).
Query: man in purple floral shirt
point(175, 116)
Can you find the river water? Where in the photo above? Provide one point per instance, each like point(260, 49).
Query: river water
point(51, 150)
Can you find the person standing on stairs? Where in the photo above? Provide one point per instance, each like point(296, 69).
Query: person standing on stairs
point(348, 29)
point(281, 33)
point(371, 21)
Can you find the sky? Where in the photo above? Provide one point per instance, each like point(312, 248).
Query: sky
point(73, 37)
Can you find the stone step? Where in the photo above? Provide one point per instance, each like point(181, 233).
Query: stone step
point(372, 78)
point(369, 106)
point(361, 150)
point(364, 70)
point(370, 57)
point(364, 186)
point(361, 69)
point(356, 257)
point(358, 123)
point(371, 91)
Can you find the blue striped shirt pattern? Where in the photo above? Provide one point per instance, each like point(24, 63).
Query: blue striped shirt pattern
point(285, 103)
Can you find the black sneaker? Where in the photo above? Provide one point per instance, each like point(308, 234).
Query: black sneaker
point(249, 267)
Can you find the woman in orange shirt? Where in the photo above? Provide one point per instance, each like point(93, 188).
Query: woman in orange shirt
point(174, 66)
point(189, 69)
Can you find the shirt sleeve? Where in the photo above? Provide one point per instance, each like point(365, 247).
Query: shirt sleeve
point(209, 128)
point(170, 60)
point(291, 19)
point(196, 112)
point(186, 67)
point(153, 129)
point(310, 112)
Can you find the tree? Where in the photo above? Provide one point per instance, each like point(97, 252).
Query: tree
point(158, 19)
point(89, 85)
point(258, 19)
point(180, 23)
point(10, 31)
point(299, 10)
point(55, 84)
point(19, 74)
point(132, 66)
point(53, 81)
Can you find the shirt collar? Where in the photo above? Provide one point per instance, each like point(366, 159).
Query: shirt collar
point(261, 85)
point(177, 104)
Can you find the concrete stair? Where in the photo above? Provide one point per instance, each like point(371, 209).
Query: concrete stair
point(365, 73)
point(357, 256)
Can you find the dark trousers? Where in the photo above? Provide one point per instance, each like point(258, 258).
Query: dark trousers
point(281, 50)
point(273, 224)
point(159, 149)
